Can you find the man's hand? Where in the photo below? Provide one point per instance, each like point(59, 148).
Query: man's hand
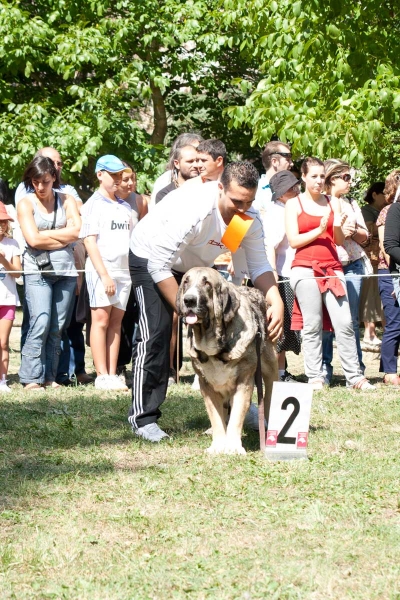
point(267, 284)
point(275, 321)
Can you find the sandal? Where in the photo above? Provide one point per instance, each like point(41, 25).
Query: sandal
point(363, 385)
point(32, 387)
point(392, 379)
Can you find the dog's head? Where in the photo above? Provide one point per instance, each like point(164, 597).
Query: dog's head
point(205, 297)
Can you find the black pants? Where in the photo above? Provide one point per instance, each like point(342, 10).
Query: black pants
point(150, 356)
point(129, 321)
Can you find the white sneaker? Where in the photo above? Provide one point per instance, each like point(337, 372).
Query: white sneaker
point(3, 386)
point(102, 382)
point(151, 433)
point(115, 383)
point(251, 418)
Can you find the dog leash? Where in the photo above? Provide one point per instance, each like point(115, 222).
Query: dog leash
point(259, 385)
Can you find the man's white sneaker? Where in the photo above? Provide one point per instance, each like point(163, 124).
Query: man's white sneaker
point(151, 433)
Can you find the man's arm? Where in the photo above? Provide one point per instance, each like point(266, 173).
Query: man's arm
point(266, 283)
point(169, 289)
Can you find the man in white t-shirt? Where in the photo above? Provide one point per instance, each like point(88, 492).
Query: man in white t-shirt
point(178, 235)
point(276, 157)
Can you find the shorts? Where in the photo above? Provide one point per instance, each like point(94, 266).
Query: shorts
point(97, 295)
point(7, 313)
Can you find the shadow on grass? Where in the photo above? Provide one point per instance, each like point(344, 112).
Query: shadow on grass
point(36, 433)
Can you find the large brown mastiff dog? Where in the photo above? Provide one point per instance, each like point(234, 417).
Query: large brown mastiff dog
point(223, 324)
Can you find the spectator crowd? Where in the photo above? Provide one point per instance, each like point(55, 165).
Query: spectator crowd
point(115, 262)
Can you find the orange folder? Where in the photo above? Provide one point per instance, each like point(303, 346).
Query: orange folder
point(236, 231)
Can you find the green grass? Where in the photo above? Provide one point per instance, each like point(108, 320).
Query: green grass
point(90, 512)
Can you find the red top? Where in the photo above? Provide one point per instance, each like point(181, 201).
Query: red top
point(321, 256)
point(323, 249)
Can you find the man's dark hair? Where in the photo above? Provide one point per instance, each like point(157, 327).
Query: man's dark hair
point(270, 149)
point(243, 173)
point(214, 148)
point(38, 167)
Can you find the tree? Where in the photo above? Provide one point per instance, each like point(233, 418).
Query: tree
point(330, 74)
point(99, 77)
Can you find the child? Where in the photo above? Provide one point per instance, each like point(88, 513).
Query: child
point(9, 261)
point(106, 229)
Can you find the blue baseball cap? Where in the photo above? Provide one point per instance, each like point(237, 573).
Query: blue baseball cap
point(110, 163)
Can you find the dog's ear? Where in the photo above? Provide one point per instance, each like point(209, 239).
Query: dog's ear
point(230, 302)
point(179, 297)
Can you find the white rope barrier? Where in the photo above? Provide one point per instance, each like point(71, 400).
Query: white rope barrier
point(64, 271)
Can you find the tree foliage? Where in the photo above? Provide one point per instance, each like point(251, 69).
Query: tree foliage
point(126, 76)
point(330, 74)
point(95, 77)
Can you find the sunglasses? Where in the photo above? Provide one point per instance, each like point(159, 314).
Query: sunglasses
point(284, 154)
point(346, 177)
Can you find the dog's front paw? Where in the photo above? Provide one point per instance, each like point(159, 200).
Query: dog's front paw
point(233, 447)
point(217, 447)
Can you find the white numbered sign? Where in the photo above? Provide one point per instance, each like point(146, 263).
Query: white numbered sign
point(289, 421)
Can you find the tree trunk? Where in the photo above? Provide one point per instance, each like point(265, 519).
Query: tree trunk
point(160, 116)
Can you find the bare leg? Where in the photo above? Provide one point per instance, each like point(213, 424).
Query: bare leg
point(113, 338)
point(98, 338)
point(5, 330)
point(370, 331)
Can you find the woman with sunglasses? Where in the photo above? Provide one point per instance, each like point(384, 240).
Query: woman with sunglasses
point(314, 228)
point(350, 253)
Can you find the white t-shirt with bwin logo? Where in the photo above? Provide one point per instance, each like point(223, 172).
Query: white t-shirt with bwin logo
point(111, 222)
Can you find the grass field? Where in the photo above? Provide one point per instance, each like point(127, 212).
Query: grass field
point(90, 512)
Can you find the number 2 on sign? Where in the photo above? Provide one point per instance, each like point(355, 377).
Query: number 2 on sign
point(282, 437)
